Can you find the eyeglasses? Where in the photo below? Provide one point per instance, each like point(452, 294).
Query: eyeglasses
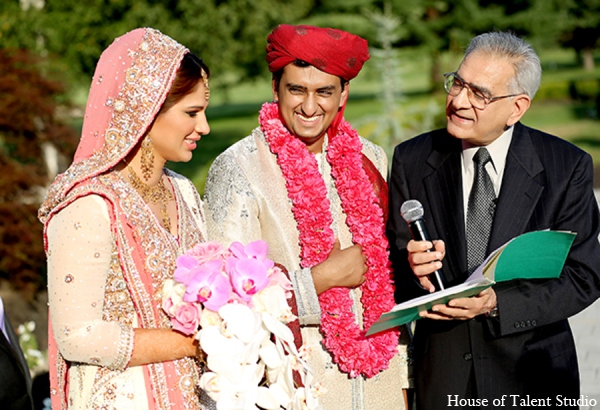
point(478, 98)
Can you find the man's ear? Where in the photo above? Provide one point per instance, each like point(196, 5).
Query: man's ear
point(274, 89)
point(345, 93)
point(520, 107)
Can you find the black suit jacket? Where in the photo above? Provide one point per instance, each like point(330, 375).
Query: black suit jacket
point(529, 349)
point(15, 380)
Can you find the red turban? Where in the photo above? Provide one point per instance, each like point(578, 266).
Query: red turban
point(330, 50)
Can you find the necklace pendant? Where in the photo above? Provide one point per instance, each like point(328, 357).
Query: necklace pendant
point(159, 194)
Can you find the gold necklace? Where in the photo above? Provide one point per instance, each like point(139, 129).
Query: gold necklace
point(158, 194)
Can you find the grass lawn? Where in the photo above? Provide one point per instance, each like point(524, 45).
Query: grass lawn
point(575, 123)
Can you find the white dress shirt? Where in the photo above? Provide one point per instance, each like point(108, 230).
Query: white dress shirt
point(495, 168)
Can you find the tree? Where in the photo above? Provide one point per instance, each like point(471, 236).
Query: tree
point(32, 138)
point(441, 26)
point(583, 31)
point(229, 35)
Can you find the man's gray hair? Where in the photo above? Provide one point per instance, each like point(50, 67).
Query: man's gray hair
point(528, 70)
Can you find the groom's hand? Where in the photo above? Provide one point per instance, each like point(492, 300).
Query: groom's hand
point(342, 268)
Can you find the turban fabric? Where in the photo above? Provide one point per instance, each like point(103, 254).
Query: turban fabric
point(330, 50)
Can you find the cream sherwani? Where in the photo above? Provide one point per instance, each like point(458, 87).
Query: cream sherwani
point(246, 200)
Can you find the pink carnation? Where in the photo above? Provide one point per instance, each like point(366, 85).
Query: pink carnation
point(341, 335)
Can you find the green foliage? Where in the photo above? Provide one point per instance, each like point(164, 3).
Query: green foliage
point(16, 26)
point(553, 90)
point(582, 32)
point(542, 22)
point(28, 122)
point(229, 35)
point(584, 90)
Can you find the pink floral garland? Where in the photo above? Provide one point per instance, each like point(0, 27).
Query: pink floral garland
point(354, 353)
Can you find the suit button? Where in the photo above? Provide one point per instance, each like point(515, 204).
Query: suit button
point(534, 323)
point(522, 323)
point(467, 356)
point(528, 323)
point(517, 325)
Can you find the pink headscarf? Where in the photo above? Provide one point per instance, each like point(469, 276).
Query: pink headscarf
point(131, 82)
point(132, 79)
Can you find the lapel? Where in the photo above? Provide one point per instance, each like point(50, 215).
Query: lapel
point(519, 194)
point(13, 349)
point(520, 189)
point(444, 195)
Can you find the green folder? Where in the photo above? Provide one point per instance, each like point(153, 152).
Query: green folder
point(532, 255)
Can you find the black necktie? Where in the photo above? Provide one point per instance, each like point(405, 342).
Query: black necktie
point(480, 211)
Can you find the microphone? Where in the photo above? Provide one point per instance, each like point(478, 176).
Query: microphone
point(412, 212)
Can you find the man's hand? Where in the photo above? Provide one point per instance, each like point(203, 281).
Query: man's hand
point(424, 263)
point(342, 268)
point(463, 308)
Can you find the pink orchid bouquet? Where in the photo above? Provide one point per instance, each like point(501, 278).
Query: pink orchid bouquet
point(234, 301)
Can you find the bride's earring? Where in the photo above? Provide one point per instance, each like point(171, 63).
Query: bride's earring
point(147, 158)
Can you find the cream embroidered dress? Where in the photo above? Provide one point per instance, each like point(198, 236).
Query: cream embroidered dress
point(246, 199)
point(93, 313)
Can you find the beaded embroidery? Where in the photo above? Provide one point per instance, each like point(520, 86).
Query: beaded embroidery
point(158, 194)
point(129, 108)
point(139, 99)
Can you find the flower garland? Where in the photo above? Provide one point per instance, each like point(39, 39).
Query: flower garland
point(354, 353)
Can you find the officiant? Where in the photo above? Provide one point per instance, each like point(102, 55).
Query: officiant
point(482, 180)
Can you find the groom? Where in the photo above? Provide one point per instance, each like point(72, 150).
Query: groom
point(305, 182)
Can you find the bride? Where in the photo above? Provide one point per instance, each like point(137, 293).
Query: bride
point(114, 224)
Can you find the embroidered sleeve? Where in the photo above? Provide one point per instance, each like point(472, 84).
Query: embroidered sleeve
point(309, 309)
point(79, 257)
